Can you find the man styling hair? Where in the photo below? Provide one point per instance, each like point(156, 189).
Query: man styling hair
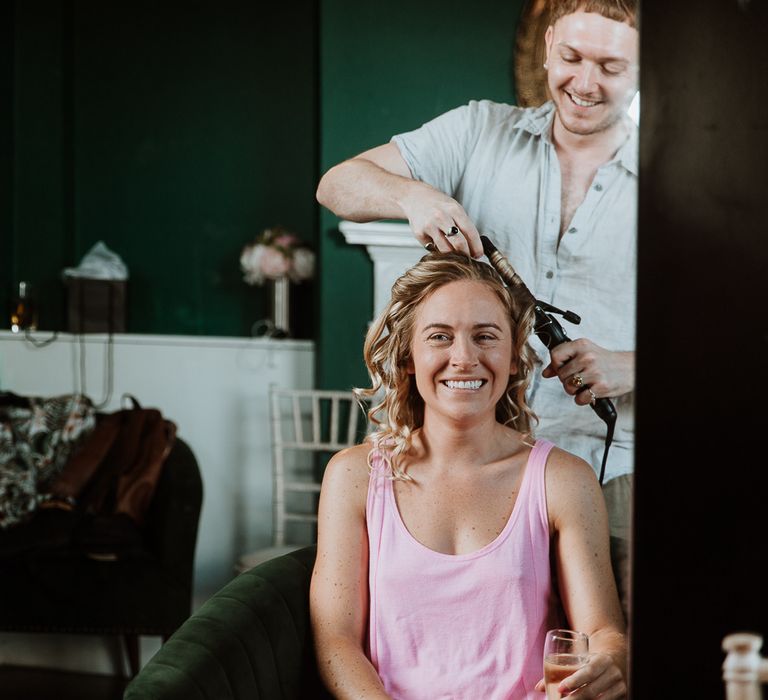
point(555, 188)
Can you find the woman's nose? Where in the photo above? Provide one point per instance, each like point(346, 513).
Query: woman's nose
point(463, 353)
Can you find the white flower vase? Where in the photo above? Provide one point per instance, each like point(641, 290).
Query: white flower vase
point(280, 305)
point(278, 325)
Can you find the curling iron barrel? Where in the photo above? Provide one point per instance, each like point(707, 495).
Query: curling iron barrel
point(548, 329)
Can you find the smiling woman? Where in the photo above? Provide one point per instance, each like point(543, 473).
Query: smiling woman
point(447, 309)
point(462, 366)
point(435, 536)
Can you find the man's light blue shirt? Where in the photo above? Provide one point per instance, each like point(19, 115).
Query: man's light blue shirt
point(500, 163)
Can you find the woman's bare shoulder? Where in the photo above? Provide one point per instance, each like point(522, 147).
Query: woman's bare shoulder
point(353, 458)
point(566, 466)
point(571, 485)
point(347, 473)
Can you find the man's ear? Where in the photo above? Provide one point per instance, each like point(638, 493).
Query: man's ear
point(548, 42)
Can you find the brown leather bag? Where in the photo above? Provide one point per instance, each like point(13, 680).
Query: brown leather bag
point(117, 468)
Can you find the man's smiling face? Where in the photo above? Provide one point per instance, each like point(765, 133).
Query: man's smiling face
point(593, 70)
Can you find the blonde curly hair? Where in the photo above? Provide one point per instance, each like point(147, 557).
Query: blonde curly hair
point(397, 408)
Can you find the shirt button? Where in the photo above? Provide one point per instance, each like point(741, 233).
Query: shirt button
point(550, 274)
point(598, 187)
point(573, 229)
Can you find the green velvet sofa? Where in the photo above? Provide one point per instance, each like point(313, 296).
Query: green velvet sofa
point(250, 640)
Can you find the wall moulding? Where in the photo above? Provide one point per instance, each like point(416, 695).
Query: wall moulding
point(392, 248)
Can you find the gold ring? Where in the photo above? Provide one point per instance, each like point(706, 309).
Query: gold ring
point(577, 380)
point(430, 246)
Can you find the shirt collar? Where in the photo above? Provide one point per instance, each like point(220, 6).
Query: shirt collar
point(538, 121)
point(627, 154)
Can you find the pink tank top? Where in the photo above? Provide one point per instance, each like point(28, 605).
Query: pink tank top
point(465, 626)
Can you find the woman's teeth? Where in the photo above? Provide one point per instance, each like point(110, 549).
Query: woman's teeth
point(471, 384)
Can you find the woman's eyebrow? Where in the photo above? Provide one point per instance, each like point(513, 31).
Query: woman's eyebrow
point(448, 326)
point(441, 326)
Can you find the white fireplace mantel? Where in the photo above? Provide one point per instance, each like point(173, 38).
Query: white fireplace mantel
point(392, 248)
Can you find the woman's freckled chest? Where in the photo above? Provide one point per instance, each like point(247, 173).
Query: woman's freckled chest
point(460, 515)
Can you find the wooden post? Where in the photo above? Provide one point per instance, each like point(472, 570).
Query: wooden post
point(744, 669)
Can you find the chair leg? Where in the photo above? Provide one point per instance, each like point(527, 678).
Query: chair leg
point(132, 649)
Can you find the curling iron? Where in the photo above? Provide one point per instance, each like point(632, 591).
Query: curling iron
point(551, 333)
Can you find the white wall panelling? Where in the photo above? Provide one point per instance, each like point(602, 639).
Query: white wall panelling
point(214, 389)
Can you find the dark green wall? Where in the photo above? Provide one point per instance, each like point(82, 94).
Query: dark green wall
point(37, 243)
point(6, 143)
point(174, 132)
point(386, 69)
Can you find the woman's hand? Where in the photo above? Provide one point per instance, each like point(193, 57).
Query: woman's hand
point(587, 589)
point(600, 678)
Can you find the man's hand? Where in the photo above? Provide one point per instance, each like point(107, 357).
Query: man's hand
point(377, 184)
point(606, 373)
point(436, 218)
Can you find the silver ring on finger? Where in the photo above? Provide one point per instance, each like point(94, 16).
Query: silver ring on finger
point(592, 395)
point(430, 247)
point(453, 231)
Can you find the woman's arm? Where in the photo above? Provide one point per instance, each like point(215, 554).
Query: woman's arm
point(339, 589)
point(579, 522)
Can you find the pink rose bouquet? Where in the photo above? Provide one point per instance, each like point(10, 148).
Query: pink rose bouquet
point(276, 253)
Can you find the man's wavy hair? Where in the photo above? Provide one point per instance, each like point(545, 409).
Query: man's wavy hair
point(397, 408)
point(617, 10)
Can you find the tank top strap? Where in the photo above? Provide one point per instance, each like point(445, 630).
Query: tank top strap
point(379, 464)
point(533, 490)
point(376, 503)
point(376, 522)
point(539, 453)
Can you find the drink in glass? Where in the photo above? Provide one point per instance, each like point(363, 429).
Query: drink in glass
point(565, 652)
point(23, 309)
